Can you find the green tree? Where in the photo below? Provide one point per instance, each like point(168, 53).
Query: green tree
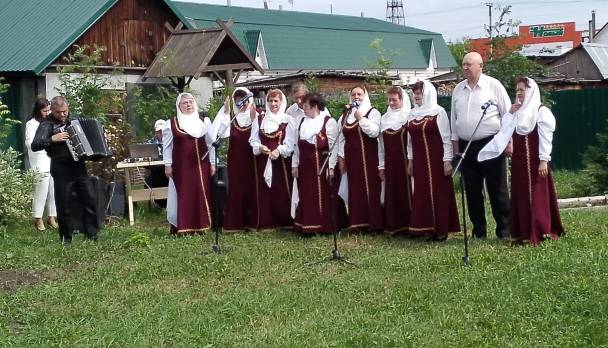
point(6, 122)
point(595, 160)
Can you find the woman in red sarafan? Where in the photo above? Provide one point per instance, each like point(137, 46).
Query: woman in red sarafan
point(392, 153)
point(434, 212)
point(358, 161)
point(317, 133)
point(534, 212)
point(273, 161)
point(186, 139)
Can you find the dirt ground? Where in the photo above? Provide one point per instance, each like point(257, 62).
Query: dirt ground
point(12, 280)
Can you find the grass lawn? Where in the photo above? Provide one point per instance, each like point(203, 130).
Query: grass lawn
point(140, 287)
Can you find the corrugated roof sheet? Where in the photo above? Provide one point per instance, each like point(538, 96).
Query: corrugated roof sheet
point(302, 40)
point(36, 32)
point(599, 55)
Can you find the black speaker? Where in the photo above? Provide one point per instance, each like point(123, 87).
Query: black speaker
point(220, 191)
point(117, 203)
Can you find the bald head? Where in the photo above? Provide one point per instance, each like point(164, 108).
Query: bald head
point(472, 67)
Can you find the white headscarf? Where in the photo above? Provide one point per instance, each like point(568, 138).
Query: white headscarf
point(527, 115)
point(272, 121)
point(364, 106)
point(312, 126)
point(429, 105)
point(396, 118)
point(191, 123)
point(242, 118)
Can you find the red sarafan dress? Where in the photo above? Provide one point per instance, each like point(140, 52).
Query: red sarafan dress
point(274, 203)
point(534, 211)
point(314, 212)
point(397, 189)
point(434, 210)
point(240, 210)
point(361, 156)
point(192, 180)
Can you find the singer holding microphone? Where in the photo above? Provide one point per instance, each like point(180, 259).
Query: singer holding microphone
point(483, 100)
point(358, 162)
point(234, 121)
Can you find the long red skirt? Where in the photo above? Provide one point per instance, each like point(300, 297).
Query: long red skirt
point(397, 189)
point(240, 209)
point(361, 156)
point(534, 211)
point(314, 212)
point(434, 210)
point(192, 179)
point(274, 203)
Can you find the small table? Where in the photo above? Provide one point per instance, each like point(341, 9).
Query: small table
point(138, 195)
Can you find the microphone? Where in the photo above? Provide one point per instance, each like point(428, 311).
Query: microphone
point(240, 103)
point(354, 104)
point(487, 104)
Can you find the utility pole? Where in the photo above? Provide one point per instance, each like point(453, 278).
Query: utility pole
point(490, 5)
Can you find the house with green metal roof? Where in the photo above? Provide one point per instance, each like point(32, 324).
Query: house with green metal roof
point(38, 34)
point(285, 42)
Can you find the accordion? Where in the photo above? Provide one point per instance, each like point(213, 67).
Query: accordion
point(87, 140)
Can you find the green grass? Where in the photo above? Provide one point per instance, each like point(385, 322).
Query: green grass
point(140, 287)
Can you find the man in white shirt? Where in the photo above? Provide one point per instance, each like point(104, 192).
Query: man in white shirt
point(298, 91)
point(469, 99)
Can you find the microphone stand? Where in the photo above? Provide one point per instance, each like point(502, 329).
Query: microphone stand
point(335, 253)
point(460, 157)
point(216, 144)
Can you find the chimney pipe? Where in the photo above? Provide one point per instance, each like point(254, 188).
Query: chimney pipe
point(593, 24)
point(265, 5)
point(228, 1)
point(280, 7)
point(590, 31)
point(362, 14)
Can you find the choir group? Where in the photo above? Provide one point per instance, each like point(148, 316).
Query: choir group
point(386, 172)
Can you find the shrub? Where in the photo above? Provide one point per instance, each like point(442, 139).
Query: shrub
point(16, 188)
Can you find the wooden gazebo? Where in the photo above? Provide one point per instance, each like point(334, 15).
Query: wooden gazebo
point(211, 52)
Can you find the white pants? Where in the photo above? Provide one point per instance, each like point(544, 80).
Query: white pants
point(44, 195)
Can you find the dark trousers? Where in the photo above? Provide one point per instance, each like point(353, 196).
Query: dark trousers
point(494, 172)
point(70, 176)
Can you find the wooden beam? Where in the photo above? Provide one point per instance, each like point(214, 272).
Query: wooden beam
point(219, 78)
point(236, 78)
point(224, 67)
point(178, 27)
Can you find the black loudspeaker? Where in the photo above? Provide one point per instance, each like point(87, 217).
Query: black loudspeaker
point(220, 191)
point(117, 203)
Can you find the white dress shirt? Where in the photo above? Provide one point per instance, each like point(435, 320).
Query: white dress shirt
point(297, 114)
point(466, 108)
point(39, 160)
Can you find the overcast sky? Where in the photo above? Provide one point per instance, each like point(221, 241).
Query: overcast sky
point(455, 19)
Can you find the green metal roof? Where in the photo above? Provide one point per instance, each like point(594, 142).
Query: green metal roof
point(302, 40)
point(36, 32)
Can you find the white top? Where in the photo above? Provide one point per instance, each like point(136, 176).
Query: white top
point(370, 125)
point(297, 114)
point(546, 126)
point(39, 160)
point(331, 131)
point(466, 108)
point(254, 138)
point(168, 142)
point(221, 122)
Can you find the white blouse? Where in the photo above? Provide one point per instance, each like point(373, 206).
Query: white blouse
point(39, 160)
point(255, 142)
